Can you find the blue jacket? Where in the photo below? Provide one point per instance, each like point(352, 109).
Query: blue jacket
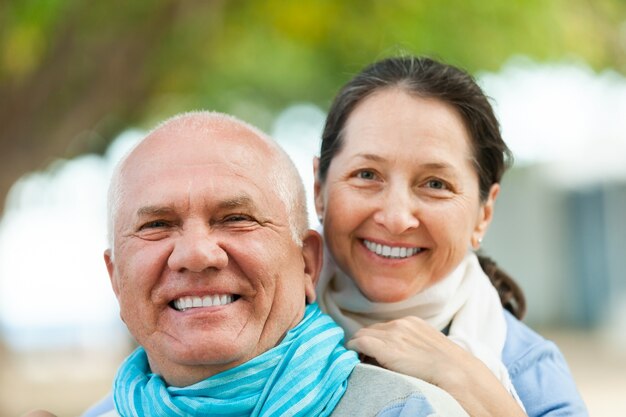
point(539, 373)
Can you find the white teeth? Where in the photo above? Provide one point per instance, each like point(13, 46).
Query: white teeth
point(185, 303)
point(390, 251)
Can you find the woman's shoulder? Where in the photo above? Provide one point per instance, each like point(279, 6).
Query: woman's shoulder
point(524, 348)
point(523, 344)
point(539, 372)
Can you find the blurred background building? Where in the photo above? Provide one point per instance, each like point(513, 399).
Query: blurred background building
point(80, 82)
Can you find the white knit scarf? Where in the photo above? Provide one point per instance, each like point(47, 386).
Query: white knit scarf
point(466, 301)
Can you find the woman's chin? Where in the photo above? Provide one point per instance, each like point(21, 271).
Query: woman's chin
point(386, 298)
point(384, 295)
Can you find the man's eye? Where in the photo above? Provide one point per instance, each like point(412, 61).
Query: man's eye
point(155, 224)
point(238, 218)
point(366, 175)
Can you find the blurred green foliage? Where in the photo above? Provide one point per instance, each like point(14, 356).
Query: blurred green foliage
point(73, 73)
point(269, 53)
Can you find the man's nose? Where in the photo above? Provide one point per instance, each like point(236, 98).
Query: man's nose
point(397, 211)
point(197, 249)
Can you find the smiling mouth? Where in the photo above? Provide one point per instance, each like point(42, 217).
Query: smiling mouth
point(187, 303)
point(391, 252)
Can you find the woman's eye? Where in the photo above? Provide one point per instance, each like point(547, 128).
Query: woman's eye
point(436, 184)
point(366, 175)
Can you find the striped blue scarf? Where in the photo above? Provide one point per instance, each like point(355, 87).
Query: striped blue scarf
point(305, 375)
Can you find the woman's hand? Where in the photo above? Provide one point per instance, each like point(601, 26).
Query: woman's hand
point(412, 347)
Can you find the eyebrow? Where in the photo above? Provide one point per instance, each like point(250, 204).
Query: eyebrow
point(236, 202)
point(149, 211)
point(439, 166)
point(241, 201)
point(427, 165)
point(371, 157)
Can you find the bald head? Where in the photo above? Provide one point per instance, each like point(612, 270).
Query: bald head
point(193, 139)
point(209, 242)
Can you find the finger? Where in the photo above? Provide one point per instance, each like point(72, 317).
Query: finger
point(367, 345)
point(409, 325)
point(371, 332)
point(401, 332)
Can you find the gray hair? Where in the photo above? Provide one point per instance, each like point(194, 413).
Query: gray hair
point(283, 173)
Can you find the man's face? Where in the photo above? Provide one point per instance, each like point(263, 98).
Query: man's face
point(205, 269)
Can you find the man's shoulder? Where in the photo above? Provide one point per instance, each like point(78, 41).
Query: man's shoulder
point(374, 391)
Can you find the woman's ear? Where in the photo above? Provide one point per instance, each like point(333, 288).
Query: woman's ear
point(312, 253)
point(485, 215)
point(318, 192)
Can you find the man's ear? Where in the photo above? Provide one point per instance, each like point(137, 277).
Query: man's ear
point(485, 215)
point(312, 253)
point(318, 193)
point(108, 260)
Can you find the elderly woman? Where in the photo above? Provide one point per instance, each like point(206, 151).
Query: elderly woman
point(408, 174)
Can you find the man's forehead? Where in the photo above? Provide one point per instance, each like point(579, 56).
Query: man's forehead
point(220, 182)
point(225, 180)
point(195, 142)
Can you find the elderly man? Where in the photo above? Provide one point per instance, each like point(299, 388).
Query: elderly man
point(214, 268)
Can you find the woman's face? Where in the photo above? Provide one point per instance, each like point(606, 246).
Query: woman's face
point(400, 203)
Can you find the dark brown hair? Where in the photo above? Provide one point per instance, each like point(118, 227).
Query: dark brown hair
point(428, 78)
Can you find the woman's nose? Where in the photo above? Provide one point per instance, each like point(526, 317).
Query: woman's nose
point(397, 212)
point(197, 249)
